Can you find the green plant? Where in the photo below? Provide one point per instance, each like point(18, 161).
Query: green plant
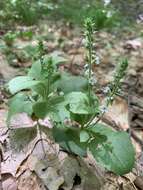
point(9, 38)
point(75, 11)
point(23, 12)
point(45, 91)
point(26, 12)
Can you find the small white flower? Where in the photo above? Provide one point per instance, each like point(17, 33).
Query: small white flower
point(97, 60)
point(94, 45)
point(111, 98)
point(94, 56)
point(94, 32)
point(107, 2)
point(103, 11)
point(86, 66)
point(103, 109)
point(61, 93)
point(92, 80)
point(13, 2)
point(109, 14)
point(106, 89)
point(85, 41)
point(88, 5)
point(50, 6)
point(87, 73)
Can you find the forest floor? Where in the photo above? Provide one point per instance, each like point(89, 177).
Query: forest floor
point(126, 113)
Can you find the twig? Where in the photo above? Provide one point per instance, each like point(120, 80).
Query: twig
point(1, 159)
point(137, 139)
point(40, 134)
point(110, 122)
point(1, 188)
point(129, 111)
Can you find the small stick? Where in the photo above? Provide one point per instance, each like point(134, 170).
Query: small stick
point(1, 188)
point(1, 159)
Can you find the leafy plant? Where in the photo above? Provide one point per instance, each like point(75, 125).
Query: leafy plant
point(23, 11)
point(46, 91)
point(75, 11)
point(27, 12)
point(9, 38)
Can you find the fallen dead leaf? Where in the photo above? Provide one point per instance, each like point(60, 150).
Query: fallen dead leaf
point(118, 112)
point(29, 181)
point(9, 184)
point(133, 44)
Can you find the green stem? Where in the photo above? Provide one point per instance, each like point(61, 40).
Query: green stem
point(90, 67)
point(107, 104)
point(48, 89)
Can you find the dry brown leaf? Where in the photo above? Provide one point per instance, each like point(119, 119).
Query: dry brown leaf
point(118, 112)
point(6, 71)
point(9, 184)
point(29, 181)
point(133, 44)
point(3, 126)
point(21, 120)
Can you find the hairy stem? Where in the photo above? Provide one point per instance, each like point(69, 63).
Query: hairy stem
point(90, 69)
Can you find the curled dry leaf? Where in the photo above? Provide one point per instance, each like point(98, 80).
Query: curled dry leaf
point(139, 182)
point(3, 127)
point(118, 112)
point(29, 181)
point(133, 44)
point(9, 182)
point(47, 170)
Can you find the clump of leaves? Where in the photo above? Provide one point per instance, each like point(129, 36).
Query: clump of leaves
point(45, 91)
point(9, 38)
point(75, 11)
point(23, 11)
